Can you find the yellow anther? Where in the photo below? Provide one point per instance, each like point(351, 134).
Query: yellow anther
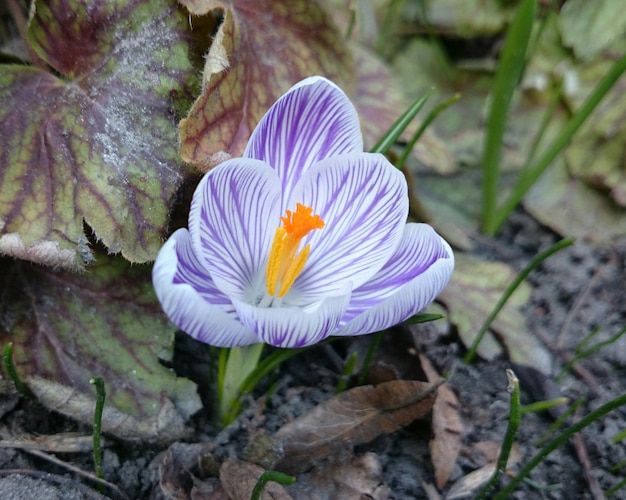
point(285, 263)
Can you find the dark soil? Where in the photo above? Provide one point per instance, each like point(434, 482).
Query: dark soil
point(575, 291)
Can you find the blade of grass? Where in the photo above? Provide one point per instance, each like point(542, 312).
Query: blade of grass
point(531, 173)
point(505, 492)
point(429, 119)
point(565, 242)
point(388, 140)
point(508, 73)
point(515, 416)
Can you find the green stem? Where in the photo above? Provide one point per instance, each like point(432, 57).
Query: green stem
point(515, 416)
point(241, 362)
point(270, 475)
point(532, 172)
point(369, 356)
point(508, 74)
point(97, 427)
point(347, 371)
point(565, 242)
point(558, 441)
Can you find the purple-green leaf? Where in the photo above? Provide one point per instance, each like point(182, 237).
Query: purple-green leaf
point(68, 328)
point(92, 139)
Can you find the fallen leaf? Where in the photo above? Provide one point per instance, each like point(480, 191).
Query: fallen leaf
point(467, 19)
point(163, 426)
point(596, 154)
point(176, 469)
point(357, 478)
point(107, 323)
point(93, 140)
point(468, 485)
point(260, 50)
point(570, 207)
point(239, 479)
point(380, 102)
point(353, 417)
point(588, 27)
point(475, 287)
point(447, 427)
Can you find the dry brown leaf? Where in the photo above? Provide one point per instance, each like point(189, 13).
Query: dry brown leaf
point(353, 417)
point(447, 427)
point(266, 46)
point(470, 483)
point(175, 476)
point(357, 478)
point(239, 478)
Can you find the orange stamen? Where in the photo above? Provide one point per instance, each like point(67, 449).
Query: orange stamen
point(285, 263)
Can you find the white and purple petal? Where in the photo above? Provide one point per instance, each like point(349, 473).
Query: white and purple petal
point(314, 120)
point(234, 215)
point(417, 272)
point(190, 298)
point(363, 202)
point(295, 326)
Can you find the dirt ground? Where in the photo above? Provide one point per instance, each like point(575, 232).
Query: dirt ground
point(575, 291)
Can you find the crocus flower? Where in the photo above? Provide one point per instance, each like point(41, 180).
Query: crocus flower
point(303, 237)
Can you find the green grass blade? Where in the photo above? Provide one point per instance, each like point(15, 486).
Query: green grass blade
point(515, 417)
point(388, 140)
point(565, 242)
point(531, 173)
point(561, 439)
point(508, 73)
point(429, 119)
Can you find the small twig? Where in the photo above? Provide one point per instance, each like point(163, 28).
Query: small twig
point(578, 303)
point(583, 457)
point(77, 470)
point(576, 368)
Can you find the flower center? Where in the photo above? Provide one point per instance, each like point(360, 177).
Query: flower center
point(285, 262)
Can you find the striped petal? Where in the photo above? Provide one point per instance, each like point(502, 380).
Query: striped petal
point(363, 202)
point(190, 298)
point(314, 120)
point(233, 217)
point(295, 326)
point(417, 272)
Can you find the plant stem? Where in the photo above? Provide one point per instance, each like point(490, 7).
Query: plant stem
point(515, 416)
point(97, 427)
point(241, 362)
